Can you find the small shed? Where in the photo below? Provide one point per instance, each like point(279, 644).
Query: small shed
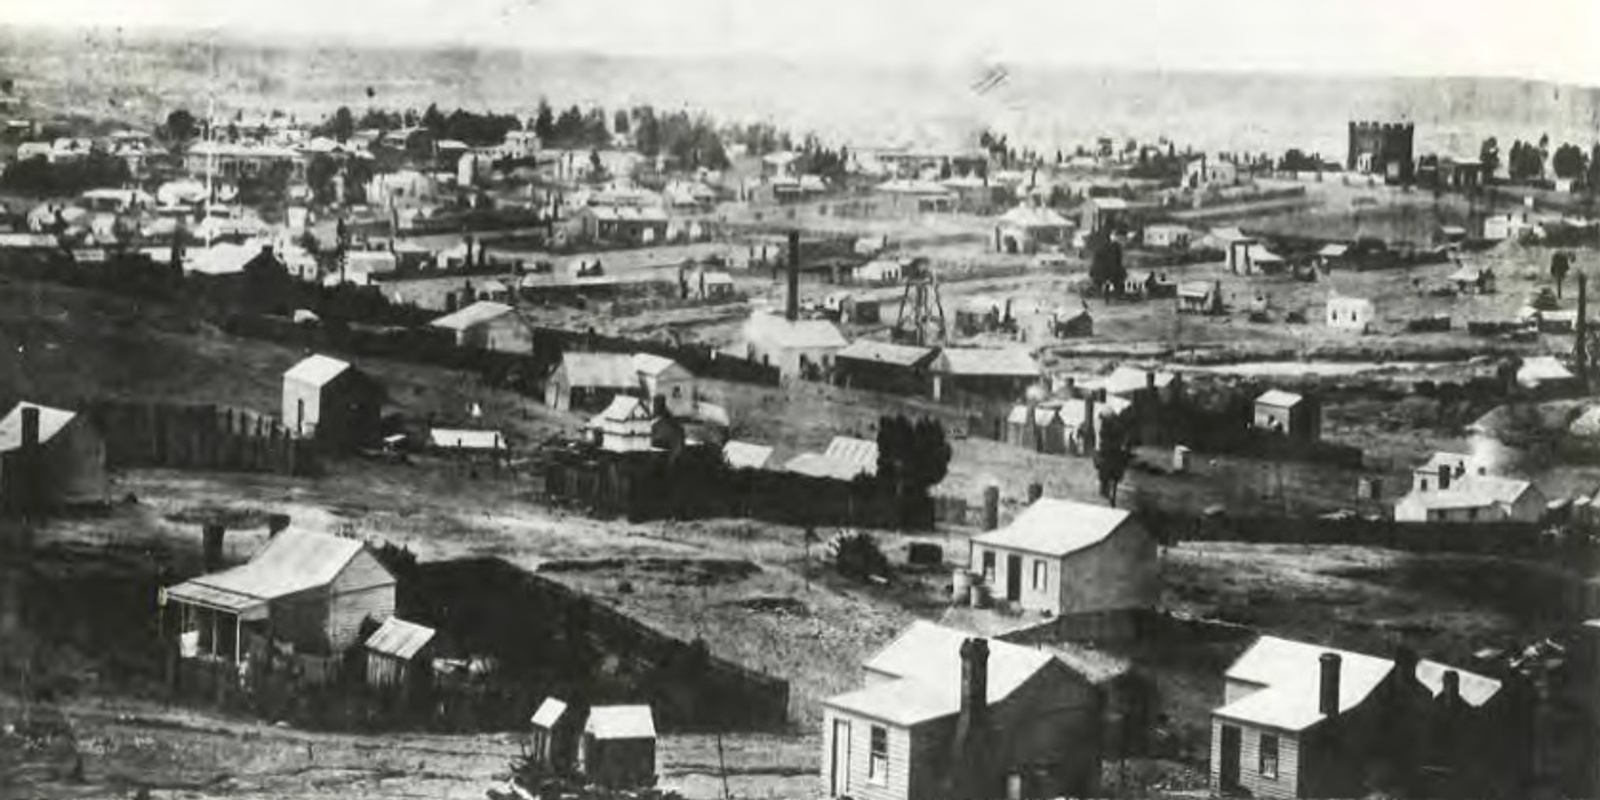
point(747, 455)
point(398, 653)
point(1288, 414)
point(619, 747)
point(71, 465)
point(466, 441)
point(1200, 297)
point(332, 401)
point(554, 742)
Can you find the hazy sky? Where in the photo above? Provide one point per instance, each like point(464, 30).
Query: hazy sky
point(1551, 39)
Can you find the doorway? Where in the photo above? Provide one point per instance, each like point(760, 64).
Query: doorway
point(1013, 578)
point(839, 768)
point(1228, 778)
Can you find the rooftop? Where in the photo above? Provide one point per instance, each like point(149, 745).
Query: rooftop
point(602, 370)
point(1007, 362)
point(471, 316)
point(621, 722)
point(1055, 527)
point(398, 638)
point(51, 421)
point(926, 659)
point(862, 453)
point(885, 352)
point(291, 562)
point(549, 713)
point(316, 370)
point(746, 455)
point(466, 439)
point(1279, 398)
point(806, 333)
point(1290, 674)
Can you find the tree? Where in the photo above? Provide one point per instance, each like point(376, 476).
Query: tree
point(1489, 155)
point(433, 120)
point(1106, 269)
point(544, 123)
point(597, 168)
point(181, 126)
point(1113, 452)
point(1560, 265)
point(1569, 162)
point(343, 125)
point(622, 123)
point(912, 459)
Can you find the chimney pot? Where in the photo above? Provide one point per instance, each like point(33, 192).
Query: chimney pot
point(1405, 662)
point(30, 428)
point(1452, 686)
point(1328, 695)
point(974, 677)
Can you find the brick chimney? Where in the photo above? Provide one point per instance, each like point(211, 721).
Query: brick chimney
point(991, 507)
point(1328, 687)
point(26, 496)
point(967, 759)
point(1405, 663)
point(1451, 691)
point(792, 302)
point(211, 547)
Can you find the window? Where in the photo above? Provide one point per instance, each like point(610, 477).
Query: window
point(1269, 756)
point(1039, 573)
point(878, 760)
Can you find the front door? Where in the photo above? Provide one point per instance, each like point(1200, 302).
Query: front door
point(1013, 578)
point(1228, 779)
point(840, 766)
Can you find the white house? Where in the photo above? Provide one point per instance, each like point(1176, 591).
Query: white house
point(1471, 497)
point(1065, 557)
point(625, 426)
point(1350, 313)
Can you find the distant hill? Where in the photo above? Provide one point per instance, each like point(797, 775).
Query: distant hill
point(142, 77)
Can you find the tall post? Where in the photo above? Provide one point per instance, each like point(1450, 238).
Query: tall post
point(1580, 348)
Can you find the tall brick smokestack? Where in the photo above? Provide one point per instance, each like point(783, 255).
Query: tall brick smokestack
point(791, 308)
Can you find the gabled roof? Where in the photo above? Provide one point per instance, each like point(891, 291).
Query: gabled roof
point(623, 408)
point(1006, 362)
point(1473, 491)
point(806, 333)
point(817, 465)
point(1126, 380)
point(746, 455)
point(1350, 302)
point(926, 660)
point(862, 453)
point(471, 316)
point(466, 439)
point(1542, 368)
point(549, 713)
point(51, 421)
point(1279, 398)
point(291, 562)
point(1031, 217)
point(1290, 673)
point(398, 638)
point(600, 370)
point(901, 355)
point(1055, 527)
point(316, 370)
point(1195, 289)
point(652, 364)
point(621, 722)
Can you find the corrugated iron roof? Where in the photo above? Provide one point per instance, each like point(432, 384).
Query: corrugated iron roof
point(1056, 527)
point(621, 722)
point(863, 453)
point(778, 332)
point(316, 370)
point(51, 421)
point(818, 465)
point(398, 638)
point(1125, 379)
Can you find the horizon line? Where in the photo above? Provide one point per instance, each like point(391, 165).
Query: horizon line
point(291, 40)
